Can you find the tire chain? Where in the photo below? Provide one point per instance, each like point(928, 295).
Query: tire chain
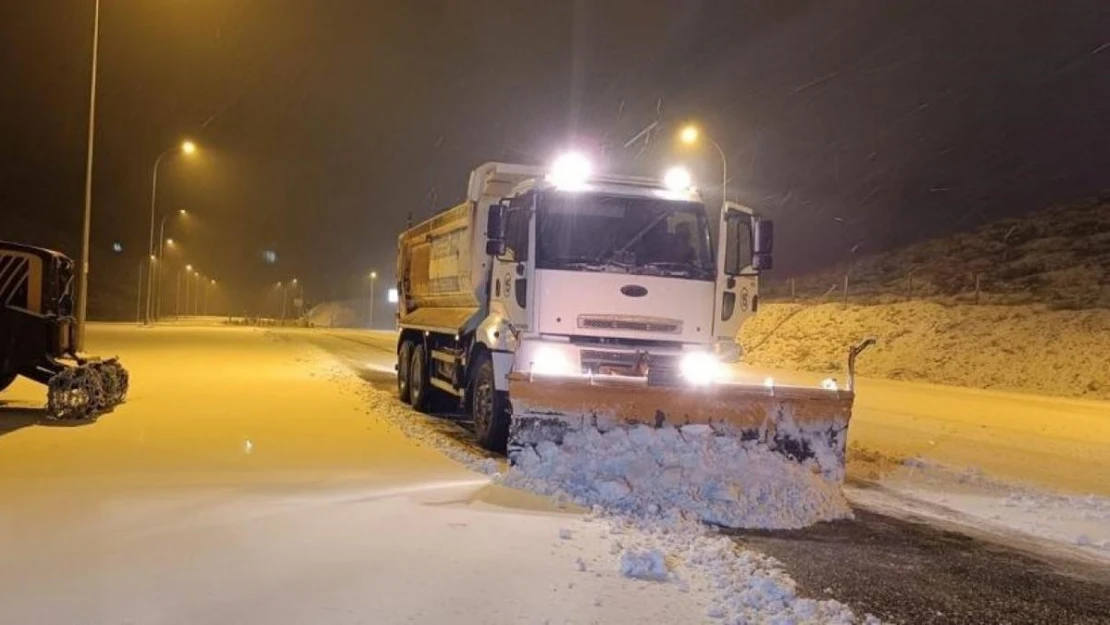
point(82, 392)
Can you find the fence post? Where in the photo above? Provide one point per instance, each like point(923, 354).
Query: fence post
point(793, 290)
point(977, 291)
point(845, 289)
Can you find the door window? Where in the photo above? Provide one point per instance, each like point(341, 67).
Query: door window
point(738, 243)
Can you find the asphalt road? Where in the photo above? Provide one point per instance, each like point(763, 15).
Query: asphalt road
point(901, 569)
point(911, 571)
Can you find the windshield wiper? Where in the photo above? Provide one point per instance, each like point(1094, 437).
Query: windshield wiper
point(591, 264)
point(677, 268)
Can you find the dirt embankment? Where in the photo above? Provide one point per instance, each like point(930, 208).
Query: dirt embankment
point(1025, 348)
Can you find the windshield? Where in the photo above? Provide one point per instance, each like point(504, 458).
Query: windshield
point(627, 234)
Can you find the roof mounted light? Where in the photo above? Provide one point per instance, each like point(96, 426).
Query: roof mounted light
point(677, 179)
point(569, 171)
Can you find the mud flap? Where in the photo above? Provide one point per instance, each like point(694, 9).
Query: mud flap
point(806, 425)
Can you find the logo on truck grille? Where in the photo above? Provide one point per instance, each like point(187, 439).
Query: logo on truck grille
point(634, 324)
point(633, 290)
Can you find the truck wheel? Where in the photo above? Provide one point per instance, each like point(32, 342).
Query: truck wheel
point(6, 380)
point(490, 408)
point(404, 361)
point(420, 395)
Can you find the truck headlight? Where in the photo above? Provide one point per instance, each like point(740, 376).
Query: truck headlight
point(700, 367)
point(551, 361)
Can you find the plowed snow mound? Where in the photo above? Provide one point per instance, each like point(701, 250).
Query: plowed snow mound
point(341, 314)
point(644, 472)
point(1028, 348)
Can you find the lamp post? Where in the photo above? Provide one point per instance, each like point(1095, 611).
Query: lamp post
point(86, 226)
point(373, 282)
point(690, 134)
point(207, 283)
point(281, 287)
point(163, 242)
point(178, 307)
point(187, 147)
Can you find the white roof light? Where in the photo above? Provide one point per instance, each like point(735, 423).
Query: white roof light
point(677, 179)
point(569, 171)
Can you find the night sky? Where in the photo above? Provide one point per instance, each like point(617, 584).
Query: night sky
point(323, 125)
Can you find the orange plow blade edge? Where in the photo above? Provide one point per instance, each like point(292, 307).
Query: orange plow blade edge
point(806, 425)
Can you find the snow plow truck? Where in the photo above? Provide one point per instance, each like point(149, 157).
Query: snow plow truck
point(554, 300)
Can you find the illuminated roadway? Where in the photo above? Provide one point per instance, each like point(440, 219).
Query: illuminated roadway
point(238, 485)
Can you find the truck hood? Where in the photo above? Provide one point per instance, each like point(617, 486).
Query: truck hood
point(588, 303)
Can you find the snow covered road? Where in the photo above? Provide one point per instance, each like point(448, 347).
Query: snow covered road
point(252, 477)
point(242, 484)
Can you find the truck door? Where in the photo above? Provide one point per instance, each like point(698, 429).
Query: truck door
point(736, 277)
point(511, 285)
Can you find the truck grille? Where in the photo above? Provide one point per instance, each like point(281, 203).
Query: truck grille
point(632, 324)
point(661, 370)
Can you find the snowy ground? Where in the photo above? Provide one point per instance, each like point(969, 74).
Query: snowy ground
point(1081, 522)
point(251, 478)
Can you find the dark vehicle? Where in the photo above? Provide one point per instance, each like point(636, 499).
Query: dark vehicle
point(38, 335)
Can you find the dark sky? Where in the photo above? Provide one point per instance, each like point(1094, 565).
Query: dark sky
point(323, 124)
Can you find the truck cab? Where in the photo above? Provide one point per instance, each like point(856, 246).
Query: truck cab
point(619, 276)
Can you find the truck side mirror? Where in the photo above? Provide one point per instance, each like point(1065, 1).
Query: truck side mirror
point(495, 247)
point(495, 223)
point(764, 236)
point(764, 244)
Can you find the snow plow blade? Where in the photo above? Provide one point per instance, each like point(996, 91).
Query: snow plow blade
point(806, 425)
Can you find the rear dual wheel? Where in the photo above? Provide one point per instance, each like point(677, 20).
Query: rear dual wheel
point(420, 392)
point(404, 362)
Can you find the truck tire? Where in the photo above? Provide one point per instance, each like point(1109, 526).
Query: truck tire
point(6, 380)
point(420, 392)
point(489, 407)
point(404, 361)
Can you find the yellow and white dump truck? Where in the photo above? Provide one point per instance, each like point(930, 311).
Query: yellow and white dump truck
point(549, 301)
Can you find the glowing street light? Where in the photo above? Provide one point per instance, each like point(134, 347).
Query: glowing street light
point(690, 135)
point(188, 147)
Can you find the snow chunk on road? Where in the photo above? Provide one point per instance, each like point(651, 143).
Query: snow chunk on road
point(650, 564)
point(643, 471)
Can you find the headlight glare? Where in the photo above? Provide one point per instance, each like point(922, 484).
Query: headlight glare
point(700, 367)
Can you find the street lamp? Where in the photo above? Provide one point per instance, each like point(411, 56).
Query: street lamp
point(86, 225)
point(690, 135)
point(162, 246)
point(177, 307)
point(373, 282)
point(187, 147)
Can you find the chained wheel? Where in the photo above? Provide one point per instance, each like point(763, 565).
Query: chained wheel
point(114, 382)
point(75, 394)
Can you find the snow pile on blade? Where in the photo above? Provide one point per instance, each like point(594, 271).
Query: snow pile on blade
point(643, 471)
